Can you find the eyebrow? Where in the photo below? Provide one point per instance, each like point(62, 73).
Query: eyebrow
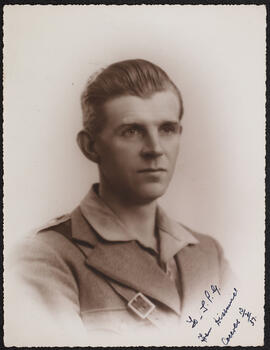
point(142, 125)
point(126, 125)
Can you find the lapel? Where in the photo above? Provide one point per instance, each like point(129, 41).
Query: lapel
point(127, 264)
point(197, 272)
point(189, 270)
point(124, 262)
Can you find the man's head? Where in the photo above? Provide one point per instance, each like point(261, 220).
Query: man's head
point(136, 77)
point(131, 116)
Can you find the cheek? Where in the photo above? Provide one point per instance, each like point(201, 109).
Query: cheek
point(117, 156)
point(173, 150)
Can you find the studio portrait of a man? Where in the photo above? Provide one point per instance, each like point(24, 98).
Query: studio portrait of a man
point(117, 268)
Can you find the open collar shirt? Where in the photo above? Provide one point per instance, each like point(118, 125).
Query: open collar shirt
point(172, 237)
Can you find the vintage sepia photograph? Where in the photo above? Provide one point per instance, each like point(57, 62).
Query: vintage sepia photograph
point(134, 167)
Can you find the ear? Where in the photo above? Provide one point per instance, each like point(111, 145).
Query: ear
point(87, 146)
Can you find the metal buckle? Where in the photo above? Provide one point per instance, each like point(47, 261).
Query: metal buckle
point(141, 305)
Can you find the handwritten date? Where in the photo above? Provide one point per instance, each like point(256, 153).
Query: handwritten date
point(250, 318)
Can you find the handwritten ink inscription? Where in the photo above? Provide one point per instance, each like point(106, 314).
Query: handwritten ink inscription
point(203, 305)
point(226, 340)
point(203, 337)
point(211, 297)
point(250, 318)
point(220, 316)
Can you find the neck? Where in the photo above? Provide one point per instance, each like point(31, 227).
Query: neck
point(139, 219)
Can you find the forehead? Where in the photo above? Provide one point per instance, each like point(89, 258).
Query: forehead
point(160, 106)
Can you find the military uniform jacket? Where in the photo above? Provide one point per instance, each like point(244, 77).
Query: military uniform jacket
point(80, 277)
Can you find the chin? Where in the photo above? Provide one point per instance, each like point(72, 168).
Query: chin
point(151, 192)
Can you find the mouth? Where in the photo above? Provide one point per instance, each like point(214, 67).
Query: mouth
point(151, 170)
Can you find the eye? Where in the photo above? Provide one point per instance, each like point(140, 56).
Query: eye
point(132, 131)
point(169, 128)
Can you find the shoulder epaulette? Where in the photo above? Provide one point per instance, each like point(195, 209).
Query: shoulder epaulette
point(54, 222)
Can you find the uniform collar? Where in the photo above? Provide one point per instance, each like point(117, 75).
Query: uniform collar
point(173, 236)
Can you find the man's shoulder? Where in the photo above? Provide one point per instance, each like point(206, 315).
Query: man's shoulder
point(56, 233)
point(58, 221)
point(201, 237)
point(183, 232)
point(208, 252)
point(52, 240)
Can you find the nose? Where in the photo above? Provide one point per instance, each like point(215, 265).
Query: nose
point(152, 147)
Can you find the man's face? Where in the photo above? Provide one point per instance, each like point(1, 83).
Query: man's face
point(138, 145)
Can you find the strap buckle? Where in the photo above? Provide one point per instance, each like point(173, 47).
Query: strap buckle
point(141, 305)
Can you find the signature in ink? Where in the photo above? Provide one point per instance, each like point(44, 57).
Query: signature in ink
point(203, 337)
point(226, 309)
point(209, 296)
point(230, 306)
point(226, 340)
point(193, 321)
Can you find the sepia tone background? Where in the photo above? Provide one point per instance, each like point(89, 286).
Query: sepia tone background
point(215, 54)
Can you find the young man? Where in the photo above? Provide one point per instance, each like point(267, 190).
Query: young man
point(118, 265)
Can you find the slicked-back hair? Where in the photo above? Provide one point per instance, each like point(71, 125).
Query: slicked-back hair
point(134, 77)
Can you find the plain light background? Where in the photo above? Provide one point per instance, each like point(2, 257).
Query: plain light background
point(215, 54)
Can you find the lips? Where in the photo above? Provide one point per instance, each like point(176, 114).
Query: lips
point(151, 170)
